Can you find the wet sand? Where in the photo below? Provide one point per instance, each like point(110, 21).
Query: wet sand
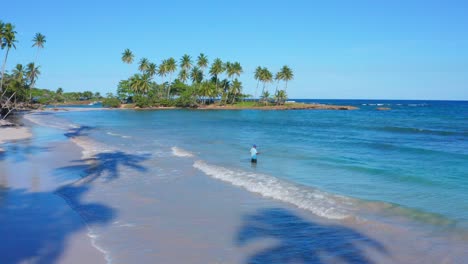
point(8, 134)
point(36, 224)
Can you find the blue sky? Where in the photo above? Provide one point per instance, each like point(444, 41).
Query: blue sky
point(337, 49)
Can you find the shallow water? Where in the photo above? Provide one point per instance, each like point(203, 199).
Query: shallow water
point(405, 168)
point(414, 155)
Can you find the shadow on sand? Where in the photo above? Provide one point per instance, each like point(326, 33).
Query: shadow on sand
point(302, 241)
point(35, 227)
point(18, 151)
point(79, 131)
point(106, 165)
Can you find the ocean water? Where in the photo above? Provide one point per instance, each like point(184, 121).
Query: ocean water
point(408, 163)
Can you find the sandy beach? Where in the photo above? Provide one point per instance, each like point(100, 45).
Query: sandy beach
point(73, 200)
point(13, 133)
point(39, 225)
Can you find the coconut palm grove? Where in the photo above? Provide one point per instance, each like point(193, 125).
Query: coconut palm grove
point(193, 81)
point(18, 89)
point(186, 82)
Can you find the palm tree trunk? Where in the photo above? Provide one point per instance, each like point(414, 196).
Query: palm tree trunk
point(216, 85)
point(169, 87)
point(263, 91)
point(3, 69)
point(6, 104)
point(162, 83)
point(37, 55)
point(32, 82)
point(276, 91)
point(258, 82)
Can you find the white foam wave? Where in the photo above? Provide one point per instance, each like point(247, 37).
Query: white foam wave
point(93, 236)
point(49, 121)
point(90, 147)
point(318, 202)
point(178, 152)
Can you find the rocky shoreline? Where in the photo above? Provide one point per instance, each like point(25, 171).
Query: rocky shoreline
point(294, 106)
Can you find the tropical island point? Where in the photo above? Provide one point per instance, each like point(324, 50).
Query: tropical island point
point(253, 106)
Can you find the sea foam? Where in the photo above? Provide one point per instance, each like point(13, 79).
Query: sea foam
point(178, 152)
point(318, 202)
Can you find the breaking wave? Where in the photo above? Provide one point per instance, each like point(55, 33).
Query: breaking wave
point(320, 203)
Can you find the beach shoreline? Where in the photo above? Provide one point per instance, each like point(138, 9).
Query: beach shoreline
point(214, 221)
point(287, 107)
point(40, 225)
point(11, 132)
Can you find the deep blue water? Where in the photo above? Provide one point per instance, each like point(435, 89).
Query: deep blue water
point(414, 156)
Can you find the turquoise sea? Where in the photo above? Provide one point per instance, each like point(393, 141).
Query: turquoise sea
point(406, 166)
point(414, 156)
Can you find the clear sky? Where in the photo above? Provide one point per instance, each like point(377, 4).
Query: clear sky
point(337, 49)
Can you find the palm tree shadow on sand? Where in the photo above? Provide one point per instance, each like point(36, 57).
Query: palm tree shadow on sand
point(78, 131)
point(105, 165)
point(302, 241)
point(20, 150)
point(35, 226)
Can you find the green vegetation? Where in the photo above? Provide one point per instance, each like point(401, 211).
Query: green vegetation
point(17, 87)
point(111, 101)
point(184, 83)
point(197, 83)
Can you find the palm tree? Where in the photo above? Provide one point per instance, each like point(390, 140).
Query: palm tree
point(196, 75)
point(230, 73)
point(171, 67)
point(162, 70)
point(278, 78)
point(18, 73)
point(205, 90)
point(32, 73)
point(216, 69)
point(186, 62)
point(144, 63)
point(185, 65)
point(202, 62)
point(233, 69)
point(135, 81)
point(226, 85)
point(38, 41)
point(237, 69)
point(2, 27)
point(280, 96)
point(236, 89)
point(265, 77)
point(9, 40)
point(183, 75)
point(145, 83)
point(151, 70)
point(287, 75)
point(265, 96)
point(258, 72)
point(127, 56)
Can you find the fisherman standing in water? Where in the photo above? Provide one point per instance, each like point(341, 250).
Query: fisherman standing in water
point(253, 154)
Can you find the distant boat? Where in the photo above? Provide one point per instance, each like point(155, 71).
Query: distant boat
point(290, 101)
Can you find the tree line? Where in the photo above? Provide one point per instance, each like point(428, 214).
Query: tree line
point(16, 88)
point(191, 82)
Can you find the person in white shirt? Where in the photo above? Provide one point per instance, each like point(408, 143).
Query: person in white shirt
point(253, 154)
